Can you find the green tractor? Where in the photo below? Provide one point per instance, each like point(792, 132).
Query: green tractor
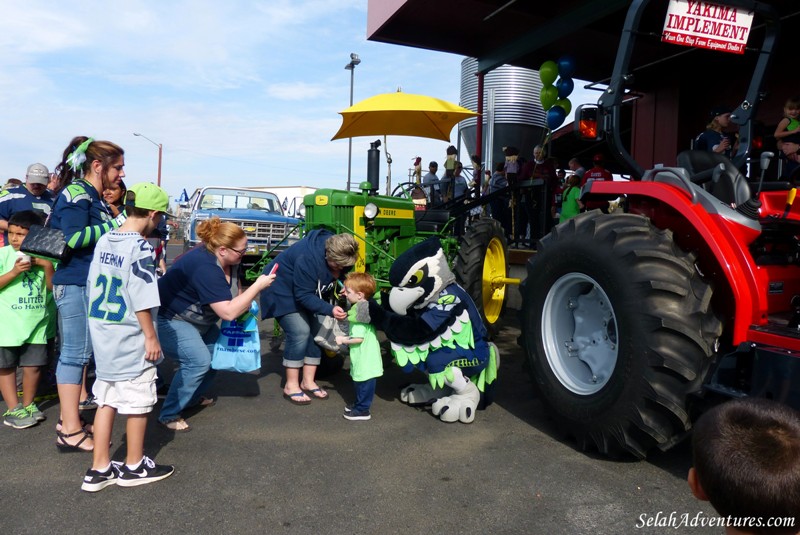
point(387, 226)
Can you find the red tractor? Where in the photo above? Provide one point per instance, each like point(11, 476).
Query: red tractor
point(687, 294)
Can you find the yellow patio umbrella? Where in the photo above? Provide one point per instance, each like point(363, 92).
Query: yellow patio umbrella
point(401, 114)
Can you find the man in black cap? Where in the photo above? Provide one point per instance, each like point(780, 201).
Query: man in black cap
point(715, 138)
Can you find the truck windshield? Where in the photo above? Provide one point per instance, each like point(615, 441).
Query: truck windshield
point(229, 198)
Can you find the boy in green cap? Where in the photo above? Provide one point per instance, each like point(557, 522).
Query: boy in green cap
point(123, 302)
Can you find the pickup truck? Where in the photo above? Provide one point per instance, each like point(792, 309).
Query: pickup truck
point(258, 213)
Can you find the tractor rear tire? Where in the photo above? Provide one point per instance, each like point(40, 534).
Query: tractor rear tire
point(618, 329)
point(480, 266)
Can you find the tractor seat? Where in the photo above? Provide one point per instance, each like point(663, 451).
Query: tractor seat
point(431, 220)
point(730, 185)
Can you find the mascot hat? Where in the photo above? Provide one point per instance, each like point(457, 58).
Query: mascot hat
point(405, 261)
point(418, 275)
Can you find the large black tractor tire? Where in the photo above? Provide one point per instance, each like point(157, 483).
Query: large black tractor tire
point(481, 266)
point(618, 329)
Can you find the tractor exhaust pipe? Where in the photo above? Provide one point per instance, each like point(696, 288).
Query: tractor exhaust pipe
point(374, 165)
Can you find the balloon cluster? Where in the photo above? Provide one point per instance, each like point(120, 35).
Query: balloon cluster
point(554, 93)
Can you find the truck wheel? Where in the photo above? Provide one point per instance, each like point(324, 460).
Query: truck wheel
point(481, 266)
point(618, 330)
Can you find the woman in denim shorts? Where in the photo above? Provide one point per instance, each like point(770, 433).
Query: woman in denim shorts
point(307, 270)
point(88, 167)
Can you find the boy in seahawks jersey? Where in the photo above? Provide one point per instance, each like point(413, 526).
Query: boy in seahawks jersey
point(123, 303)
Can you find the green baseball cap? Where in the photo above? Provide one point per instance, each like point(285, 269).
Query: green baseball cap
point(148, 196)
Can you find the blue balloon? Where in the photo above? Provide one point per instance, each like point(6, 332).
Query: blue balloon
point(555, 116)
point(565, 87)
point(566, 66)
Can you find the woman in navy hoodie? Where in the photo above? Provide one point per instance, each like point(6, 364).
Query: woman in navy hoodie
point(307, 270)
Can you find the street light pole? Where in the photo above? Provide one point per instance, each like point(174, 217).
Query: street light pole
point(354, 60)
point(160, 151)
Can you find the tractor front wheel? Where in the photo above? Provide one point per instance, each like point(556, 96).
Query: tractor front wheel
point(481, 267)
point(618, 330)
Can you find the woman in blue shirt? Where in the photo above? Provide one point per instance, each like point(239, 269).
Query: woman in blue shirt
point(88, 167)
point(308, 270)
point(200, 289)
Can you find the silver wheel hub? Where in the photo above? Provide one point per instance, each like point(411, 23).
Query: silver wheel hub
point(579, 332)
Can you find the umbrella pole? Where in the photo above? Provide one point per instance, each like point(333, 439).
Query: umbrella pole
point(388, 167)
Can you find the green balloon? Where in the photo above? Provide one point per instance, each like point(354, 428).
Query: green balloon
point(548, 96)
point(548, 72)
point(564, 103)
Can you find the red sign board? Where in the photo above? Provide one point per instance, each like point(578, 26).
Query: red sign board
point(707, 25)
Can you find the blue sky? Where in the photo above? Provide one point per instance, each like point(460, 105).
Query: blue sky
point(242, 93)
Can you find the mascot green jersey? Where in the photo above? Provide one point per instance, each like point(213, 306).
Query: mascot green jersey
point(434, 326)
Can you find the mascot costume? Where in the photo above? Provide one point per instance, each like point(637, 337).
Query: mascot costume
point(434, 326)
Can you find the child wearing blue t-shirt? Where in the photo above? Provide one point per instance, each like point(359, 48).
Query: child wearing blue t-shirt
point(24, 282)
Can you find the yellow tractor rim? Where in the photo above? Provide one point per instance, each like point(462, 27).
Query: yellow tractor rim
point(494, 277)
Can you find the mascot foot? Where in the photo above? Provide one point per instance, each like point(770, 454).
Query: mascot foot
point(459, 407)
point(424, 394)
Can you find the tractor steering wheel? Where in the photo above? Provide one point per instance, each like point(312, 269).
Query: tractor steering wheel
point(410, 190)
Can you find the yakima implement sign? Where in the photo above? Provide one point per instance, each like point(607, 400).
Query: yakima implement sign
point(707, 25)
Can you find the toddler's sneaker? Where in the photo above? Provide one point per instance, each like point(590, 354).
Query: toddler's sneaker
point(352, 414)
point(88, 404)
point(147, 472)
point(95, 480)
point(18, 418)
point(34, 412)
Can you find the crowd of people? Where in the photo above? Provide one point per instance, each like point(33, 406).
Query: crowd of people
point(113, 306)
point(99, 302)
point(525, 196)
point(115, 310)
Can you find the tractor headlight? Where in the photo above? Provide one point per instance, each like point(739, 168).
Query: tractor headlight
point(371, 211)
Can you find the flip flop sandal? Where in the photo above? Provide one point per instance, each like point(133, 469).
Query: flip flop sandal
point(178, 425)
point(206, 402)
point(313, 393)
point(293, 398)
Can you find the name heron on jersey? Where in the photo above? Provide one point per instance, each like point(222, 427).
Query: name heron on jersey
point(112, 259)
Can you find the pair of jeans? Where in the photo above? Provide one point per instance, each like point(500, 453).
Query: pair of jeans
point(299, 348)
point(365, 391)
point(191, 346)
point(73, 325)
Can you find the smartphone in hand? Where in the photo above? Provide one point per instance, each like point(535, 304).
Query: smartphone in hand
point(274, 269)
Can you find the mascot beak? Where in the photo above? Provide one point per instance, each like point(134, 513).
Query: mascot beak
point(401, 299)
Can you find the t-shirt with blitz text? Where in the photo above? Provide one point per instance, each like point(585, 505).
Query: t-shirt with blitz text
point(23, 310)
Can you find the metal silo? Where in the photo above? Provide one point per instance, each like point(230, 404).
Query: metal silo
point(511, 99)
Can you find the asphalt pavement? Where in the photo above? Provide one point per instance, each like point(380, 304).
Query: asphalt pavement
point(255, 463)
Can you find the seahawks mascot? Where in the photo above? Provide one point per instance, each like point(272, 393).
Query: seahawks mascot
point(434, 326)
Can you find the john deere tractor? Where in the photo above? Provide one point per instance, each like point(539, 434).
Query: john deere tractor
point(387, 226)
